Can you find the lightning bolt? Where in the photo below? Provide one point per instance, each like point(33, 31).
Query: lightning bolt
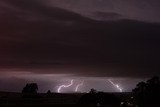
point(116, 85)
point(77, 87)
point(64, 86)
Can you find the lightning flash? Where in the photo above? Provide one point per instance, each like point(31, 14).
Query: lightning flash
point(77, 87)
point(116, 85)
point(64, 86)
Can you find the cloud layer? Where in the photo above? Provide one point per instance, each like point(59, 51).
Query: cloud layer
point(147, 10)
point(35, 36)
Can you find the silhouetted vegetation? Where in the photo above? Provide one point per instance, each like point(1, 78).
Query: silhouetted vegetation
point(49, 94)
point(93, 91)
point(30, 90)
point(147, 94)
point(101, 99)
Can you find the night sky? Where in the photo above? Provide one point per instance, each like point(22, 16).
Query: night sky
point(52, 42)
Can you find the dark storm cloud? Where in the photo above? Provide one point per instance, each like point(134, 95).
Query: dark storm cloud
point(147, 10)
point(106, 16)
point(37, 36)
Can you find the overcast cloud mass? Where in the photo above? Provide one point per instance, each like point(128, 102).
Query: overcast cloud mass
point(116, 39)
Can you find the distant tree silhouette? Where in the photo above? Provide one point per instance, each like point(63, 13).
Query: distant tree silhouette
point(88, 99)
point(31, 88)
point(95, 98)
point(93, 91)
point(49, 94)
point(107, 100)
point(147, 94)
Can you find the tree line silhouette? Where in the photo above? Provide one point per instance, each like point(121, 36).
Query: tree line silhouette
point(145, 94)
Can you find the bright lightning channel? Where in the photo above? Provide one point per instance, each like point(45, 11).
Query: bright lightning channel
point(64, 86)
point(77, 87)
point(116, 85)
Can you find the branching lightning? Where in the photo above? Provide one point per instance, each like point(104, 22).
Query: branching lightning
point(115, 85)
point(64, 86)
point(77, 87)
point(81, 84)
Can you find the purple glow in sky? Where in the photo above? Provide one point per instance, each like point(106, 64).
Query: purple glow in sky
point(53, 82)
point(51, 42)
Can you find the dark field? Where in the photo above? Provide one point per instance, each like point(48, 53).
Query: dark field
point(8, 99)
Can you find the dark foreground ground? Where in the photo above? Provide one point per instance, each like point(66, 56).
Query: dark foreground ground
point(8, 99)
